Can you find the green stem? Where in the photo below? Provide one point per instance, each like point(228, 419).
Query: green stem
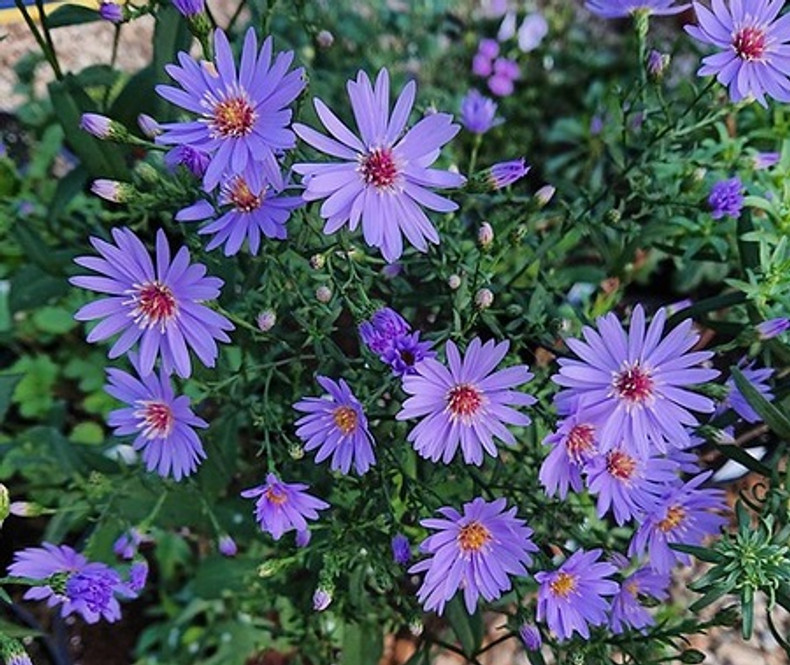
point(31, 24)
point(48, 37)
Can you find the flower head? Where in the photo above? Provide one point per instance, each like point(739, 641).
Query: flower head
point(726, 198)
point(243, 114)
point(111, 11)
point(283, 506)
point(474, 551)
point(627, 611)
point(466, 404)
point(506, 173)
point(533, 29)
point(194, 160)
point(127, 543)
point(159, 307)
point(624, 8)
point(633, 386)
point(389, 335)
point(383, 178)
point(773, 327)
point(68, 579)
point(405, 352)
point(401, 549)
point(737, 402)
point(336, 424)
point(163, 425)
point(573, 445)
point(752, 39)
point(574, 597)
point(478, 113)
point(254, 208)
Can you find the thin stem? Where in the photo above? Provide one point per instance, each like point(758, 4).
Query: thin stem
point(36, 34)
point(48, 37)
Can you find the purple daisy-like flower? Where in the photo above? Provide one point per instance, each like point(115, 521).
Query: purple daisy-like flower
point(384, 327)
point(163, 424)
point(283, 506)
point(159, 308)
point(475, 552)
point(683, 515)
point(401, 549)
point(127, 543)
point(69, 580)
point(624, 8)
point(383, 178)
point(406, 352)
point(626, 484)
point(726, 198)
point(573, 445)
point(465, 404)
point(573, 597)
point(336, 424)
point(627, 611)
point(634, 384)
point(244, 113)
point(478, 113)
point(754, 47)
point(255, 209)
point(737, 402)
point(193, 160)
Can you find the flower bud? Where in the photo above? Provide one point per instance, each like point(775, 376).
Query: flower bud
point(323, 294)
point(325, 39)
point(485, 235)
point(97, 125)
point(5, 504)
point(190, 8)
point(12, 652)
point(111, 12)
point(112, 190)
point(26, 509)
point(296, 451)
point(772, 327)
point(317, 261)
point(657, 64)
point(302, 538)
point(138, 575)
point(544, 195)
point(530, 636)
point(401, 550)
point(504, 174)
point(227, 546)
point(454, 281)
point(322, 598)
point(148, 126)
point(266, 320)
point(484, 298)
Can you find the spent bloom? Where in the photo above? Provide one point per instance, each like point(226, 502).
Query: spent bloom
point(753, 42)
point(773, 327)
point(726, 198)
point(465, 405)
point(574, 596)
point(657, 63)
point(69, 580)
point(383, 179)
point(474, 551)
point(243, 114)
point(283, 506)
point(336, 425)
point(251, 208)
point(633, 386)
point(138, 575)
point(478, 113)
point(506, 173)
point(127, 543)
point(683, 515)
point(624, 8)
point(322, 598)
point(162, 423)
point(627, 611)
point(159, 308)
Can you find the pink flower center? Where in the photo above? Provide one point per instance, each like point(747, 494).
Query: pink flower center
point(473, 536)
point(155, 304)
point(345, 418)
point(620, 466)
point(464, 401)
point(676, 515)
point(379, 169)
point(634, 384)
point(563, 585)
point(275, 495)
point(580, 441)
point(233, 117)
point(242, 197)
point(156, 419)
point(749, 43)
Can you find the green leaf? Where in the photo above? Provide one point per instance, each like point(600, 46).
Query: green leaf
point(8, 384)
point(171, 35)
point(71, 15)
point(55, 320)
point(217, 575)
point(468, 629)
point(362, 643)
point(743, 458)
point(88, 433)
point(701, 553)
point(772, 416)
point(710, 597)
point(33, 393)
point(68, 187)
point(31, 287)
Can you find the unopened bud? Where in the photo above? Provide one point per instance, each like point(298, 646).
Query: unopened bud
point(266, 320)
point(506, 173)
point(302, 538)
point(111, 12)
point(5, 503)
point(454, 281)
point(325, 39)
point(97, 125)
point(322, 598)
point(112, 190)
point(296, 451)
point(692, 656)
point(772, 328)
point(147, 173)
point(227, 546)
point(657, 64)
point(26, 509)
point(148, 126)
point(323, 294)
point(484, 298)
point(317, 261)
point(613, 216)
point(485, 235)
point(544, 195)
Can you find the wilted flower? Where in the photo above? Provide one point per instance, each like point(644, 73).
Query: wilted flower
point(478, 113)
point(383, 329)
point(127, 543)
point(266, 320)
point(735, 400)
point(726, 198)
point(194, 160)
point(138, 575)
point(627, 611)
point(506, 173)
point(657, 63)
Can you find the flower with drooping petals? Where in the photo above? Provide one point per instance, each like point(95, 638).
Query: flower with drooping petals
point(405, 352)
point(383, 179)
point(465, 404)
point(255, 209)
point(633, 386)
point(624, 8)
point(573, 445)
point(627, 611)
point(753, 39)
point(726, 198)
point(475, 552)
point(737, 402)
point(159, 307)
point(127, 543)
point(684, 515)
point(573, 597)
point(163, 424)
point(227, 546)
point(68, 579)
point(243, 114)
point(336, 424)
point(282, 507)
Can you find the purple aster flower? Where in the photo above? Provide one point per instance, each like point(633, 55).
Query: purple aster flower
point(504, 174)
point(138, 576)
point(283, 506)
point(383, 178)
point(627, 611)
point(634, 384)
point(726, 198)
point(475, 552)
point(737, 402)
point(682, 516)
point(773, 327)
point(624, 8)
point(112, 190)
point(322, 598)
point(162, 424)
point(227, 546)
point(573, 445)
point(190, 8)
point(501, 85)
point(384, 327)
point(255, 208)
point(530, 636)
point(161, 309)
point(488, 48)
point(481, 65)
point(127, 543)
point(405, 352)
point(401, 549)
point(68, 579)
point(626, 484)
point(194, 160)
point(302, 538)
point(111, 12)
point(478, 113)
point(533, 29)
point(766, 160)
point(336, 424)
point(465, 404)
point(573, 597)
point(753, 43)
point(243, 113)
point(97, 125)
